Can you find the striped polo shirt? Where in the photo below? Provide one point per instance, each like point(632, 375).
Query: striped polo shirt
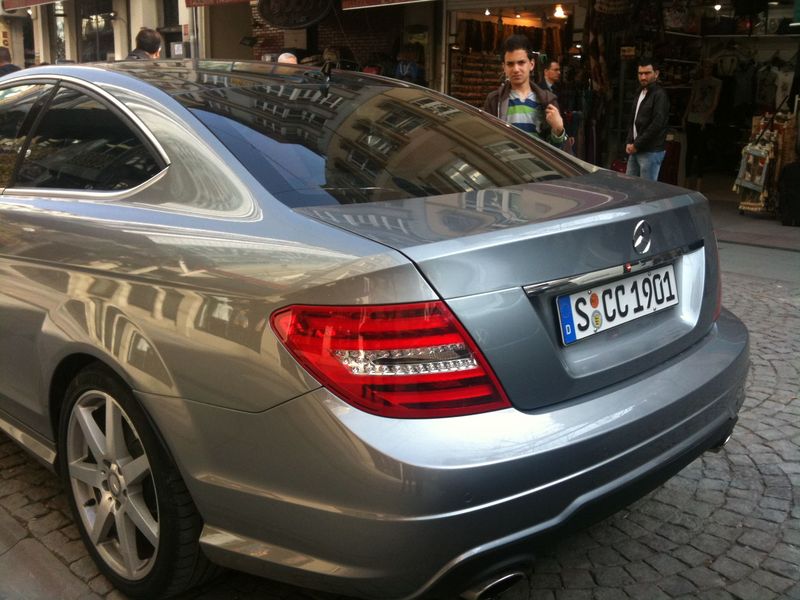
point(525, 113)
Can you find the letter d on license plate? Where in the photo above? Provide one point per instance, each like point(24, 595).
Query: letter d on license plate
point(594, 310)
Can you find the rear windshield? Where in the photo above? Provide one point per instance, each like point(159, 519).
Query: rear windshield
point(317, 144)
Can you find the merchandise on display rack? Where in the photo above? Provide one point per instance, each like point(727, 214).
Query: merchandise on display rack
point(773, 145)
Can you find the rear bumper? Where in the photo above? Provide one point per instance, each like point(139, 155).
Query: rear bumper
point(319, 494)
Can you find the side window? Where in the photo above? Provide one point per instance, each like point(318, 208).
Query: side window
point(15, 116)
point(81, 144)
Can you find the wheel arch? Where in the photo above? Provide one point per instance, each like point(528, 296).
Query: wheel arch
point(66, 371)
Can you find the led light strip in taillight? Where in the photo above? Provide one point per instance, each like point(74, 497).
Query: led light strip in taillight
point(400, 360)
point(416, 361)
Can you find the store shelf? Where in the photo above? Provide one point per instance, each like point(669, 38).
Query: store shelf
point(473, 76)
point(753, 36)
point(682, 34)
point(682, 61)
point(773, 36)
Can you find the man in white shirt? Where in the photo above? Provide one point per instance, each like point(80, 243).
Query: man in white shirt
point(647, 132)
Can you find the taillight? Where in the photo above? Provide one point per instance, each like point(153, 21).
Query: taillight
point(398, 360)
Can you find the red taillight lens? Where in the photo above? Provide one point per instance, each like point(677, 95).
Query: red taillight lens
point(398, 360)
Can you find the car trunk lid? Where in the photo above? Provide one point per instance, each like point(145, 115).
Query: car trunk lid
point(501, 258)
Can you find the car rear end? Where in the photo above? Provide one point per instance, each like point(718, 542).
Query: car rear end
point(572, 353)
point(450, 435)
point(598, 412)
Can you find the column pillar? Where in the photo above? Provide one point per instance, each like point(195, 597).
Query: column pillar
point(41, 35)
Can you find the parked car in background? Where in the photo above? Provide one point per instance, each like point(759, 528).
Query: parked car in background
point(339, 330)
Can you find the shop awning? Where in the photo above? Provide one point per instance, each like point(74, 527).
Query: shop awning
point(13, 4)
point(353, 4)
point(193, 3)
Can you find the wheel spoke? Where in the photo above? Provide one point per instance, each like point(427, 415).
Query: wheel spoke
point(91, 432)
point(115, 437)
point(140, 515)
point(136, 470)
point(103, 519)
point(87, 473)
point(127, 542)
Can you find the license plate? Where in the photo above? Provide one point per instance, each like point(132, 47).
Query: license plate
point(591, 311)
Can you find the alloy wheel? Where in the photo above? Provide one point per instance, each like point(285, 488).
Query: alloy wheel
point(112, 484)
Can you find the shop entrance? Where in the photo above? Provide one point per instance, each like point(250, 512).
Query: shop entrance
point(95, 30)
point(476, 41)
point(229, 25)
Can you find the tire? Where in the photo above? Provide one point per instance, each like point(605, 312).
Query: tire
point(131, 506)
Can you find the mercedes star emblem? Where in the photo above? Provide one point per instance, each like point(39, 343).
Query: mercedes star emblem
point(642, 237)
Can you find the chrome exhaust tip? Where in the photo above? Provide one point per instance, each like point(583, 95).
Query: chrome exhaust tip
point(720, 445)
point(493, 586)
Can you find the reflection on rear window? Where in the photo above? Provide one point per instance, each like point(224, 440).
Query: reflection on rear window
point(366, 143)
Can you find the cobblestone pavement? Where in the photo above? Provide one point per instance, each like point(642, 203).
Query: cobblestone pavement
point(727, 526)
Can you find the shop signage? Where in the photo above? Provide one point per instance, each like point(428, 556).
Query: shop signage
point(193, 3)
point(293, 14)
point(353, 4)
point(12, 4)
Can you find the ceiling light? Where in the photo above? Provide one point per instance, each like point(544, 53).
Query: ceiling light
point(559, 13)
point(519, 16)
point(487, 12)
point(717, 7)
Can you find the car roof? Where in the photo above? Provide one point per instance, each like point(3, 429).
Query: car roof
point(176, 77)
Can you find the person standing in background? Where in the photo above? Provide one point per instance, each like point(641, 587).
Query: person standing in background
point(697, 120)
point(522, 103)
point(552, 76)
point(647, 132)
point(5, 62)
point(148, 45)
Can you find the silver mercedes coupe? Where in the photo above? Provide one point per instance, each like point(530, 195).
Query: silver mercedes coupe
point(338, 330)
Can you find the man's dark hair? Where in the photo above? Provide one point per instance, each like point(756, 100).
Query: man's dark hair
point(148, 40)
point(5, 55)
point(517, 42)
point(647, 61)
point(552, 62)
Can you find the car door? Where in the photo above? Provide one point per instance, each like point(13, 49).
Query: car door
point(19, 106)
point(80, 155)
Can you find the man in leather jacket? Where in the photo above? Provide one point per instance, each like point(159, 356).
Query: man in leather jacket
point(647, 132)
point(522, 103)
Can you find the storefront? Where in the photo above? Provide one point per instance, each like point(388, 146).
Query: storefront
point(749, 50)
point(724, 67)
point(386, 37)
point(16, 34)
point(476, 32)
point(90, 30)
point(224, 28)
